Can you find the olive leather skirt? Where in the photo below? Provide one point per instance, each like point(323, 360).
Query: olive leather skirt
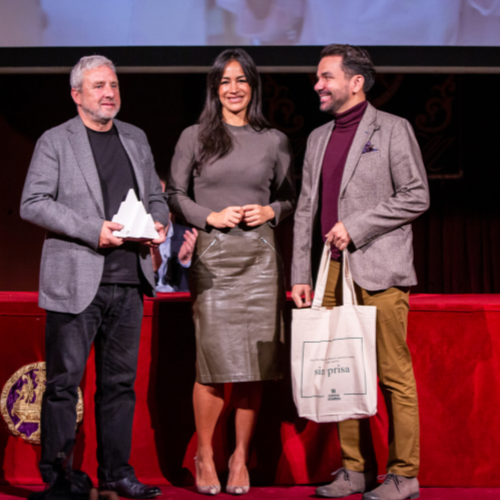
point(237, 284)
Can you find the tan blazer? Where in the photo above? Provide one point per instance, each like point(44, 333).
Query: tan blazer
point(382, 191)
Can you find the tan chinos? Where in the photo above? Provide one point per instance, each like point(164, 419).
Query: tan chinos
point(396, 380)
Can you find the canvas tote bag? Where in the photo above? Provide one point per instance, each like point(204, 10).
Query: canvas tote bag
point(334, 366)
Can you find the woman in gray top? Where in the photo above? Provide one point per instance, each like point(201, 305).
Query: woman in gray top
point(241, 173)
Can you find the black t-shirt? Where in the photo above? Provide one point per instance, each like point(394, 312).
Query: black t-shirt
point(121, 264)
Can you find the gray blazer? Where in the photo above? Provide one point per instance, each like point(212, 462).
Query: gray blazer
point(62, 193)
point(382, 191)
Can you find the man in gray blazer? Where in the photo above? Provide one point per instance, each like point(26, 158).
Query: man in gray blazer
point(91, 281)
point(363, 183)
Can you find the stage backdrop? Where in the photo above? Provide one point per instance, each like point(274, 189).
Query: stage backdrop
point(454, 116)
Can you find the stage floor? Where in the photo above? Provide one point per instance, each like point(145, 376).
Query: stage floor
point(283, 492)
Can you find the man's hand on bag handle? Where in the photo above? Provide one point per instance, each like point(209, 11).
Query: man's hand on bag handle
point(339, 236)
point(299, 291)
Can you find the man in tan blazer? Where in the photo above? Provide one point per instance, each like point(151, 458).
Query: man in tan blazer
point(363, 183)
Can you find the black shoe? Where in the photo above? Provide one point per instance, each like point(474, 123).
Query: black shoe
point(130, 487)
point(77, 487)
point(40, 495)
point(81, 484)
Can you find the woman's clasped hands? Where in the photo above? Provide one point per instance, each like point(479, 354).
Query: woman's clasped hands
point(251, 215)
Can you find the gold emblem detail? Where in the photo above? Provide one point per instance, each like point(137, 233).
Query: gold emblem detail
point(21, 402)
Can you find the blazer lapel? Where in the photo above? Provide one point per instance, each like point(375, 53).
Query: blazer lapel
point(135, 158)
point(320, 154)
point(366, 127)
point(80, 144)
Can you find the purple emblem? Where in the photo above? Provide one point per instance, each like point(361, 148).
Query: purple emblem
point(24, 401)
point(21, 402)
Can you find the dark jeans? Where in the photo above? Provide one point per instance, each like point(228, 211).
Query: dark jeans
point(113, 323)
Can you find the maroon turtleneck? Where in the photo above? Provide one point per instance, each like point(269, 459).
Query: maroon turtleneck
point(346, 125)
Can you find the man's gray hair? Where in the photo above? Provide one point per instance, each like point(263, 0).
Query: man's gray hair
point(87, 63)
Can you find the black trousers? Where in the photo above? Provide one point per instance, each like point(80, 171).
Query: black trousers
point(113, 323)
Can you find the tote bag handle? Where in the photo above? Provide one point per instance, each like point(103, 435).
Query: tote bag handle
point(349, 294)
point(348, 291)
point(322, 278)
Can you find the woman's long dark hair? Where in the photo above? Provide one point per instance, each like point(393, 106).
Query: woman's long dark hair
point(215, 140)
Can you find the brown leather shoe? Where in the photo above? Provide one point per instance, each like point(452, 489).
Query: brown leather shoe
point(347, 482)
point(395, 488)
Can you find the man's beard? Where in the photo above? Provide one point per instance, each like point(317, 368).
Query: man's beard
point(335, 103)
point(99, 116)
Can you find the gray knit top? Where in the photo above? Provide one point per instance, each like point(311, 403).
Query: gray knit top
point(258, 170)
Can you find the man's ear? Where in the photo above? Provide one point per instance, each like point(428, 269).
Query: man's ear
point(76, 96)
point(357, 83)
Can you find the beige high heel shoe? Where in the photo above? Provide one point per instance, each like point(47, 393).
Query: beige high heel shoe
point(237, 490)
point(210, 489)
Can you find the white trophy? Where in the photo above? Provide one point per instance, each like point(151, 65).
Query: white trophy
point(137, 223)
